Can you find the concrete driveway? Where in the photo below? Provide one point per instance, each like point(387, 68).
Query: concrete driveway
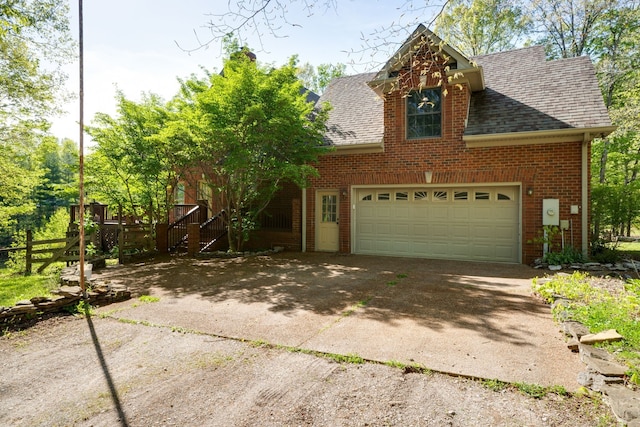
point(470, 319)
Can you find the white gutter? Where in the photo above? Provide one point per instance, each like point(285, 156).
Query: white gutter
point(304, 219)
point(585, 194)
point(534, 137)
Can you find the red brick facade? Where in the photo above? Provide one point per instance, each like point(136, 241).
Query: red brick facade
point(551, 170)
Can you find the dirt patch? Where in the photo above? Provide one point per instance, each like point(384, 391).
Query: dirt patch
point(166, 363)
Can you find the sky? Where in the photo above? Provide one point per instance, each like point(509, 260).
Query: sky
point(141, 46)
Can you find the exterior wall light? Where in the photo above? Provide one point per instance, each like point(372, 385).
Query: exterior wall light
point(529, 191)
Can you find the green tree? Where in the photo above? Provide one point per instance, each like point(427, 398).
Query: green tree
point(478, 27)
point(247, 130)
point(58, 186)
point(34, 43)
point(615, 158)
point(32, 33)
point(131, 166)
point(19, 180)
point(567, 26)
point(318, 78)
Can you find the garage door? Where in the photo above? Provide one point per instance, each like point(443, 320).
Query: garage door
point(480, 224)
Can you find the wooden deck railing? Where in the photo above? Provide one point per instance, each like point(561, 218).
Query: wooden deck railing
point(212, 230)
point(177, 230)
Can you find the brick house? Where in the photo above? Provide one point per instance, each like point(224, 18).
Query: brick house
point(469, 168)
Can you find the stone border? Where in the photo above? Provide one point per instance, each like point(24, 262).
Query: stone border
point(68, 294)
point(617, 269)
point(602, 373)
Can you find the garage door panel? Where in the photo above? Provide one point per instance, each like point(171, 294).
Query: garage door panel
point(438, 212)
point(485, 229)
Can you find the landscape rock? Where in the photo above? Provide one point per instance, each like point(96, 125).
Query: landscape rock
point(596, 381)
point(605, 336)
point(594, 352)
point(600, 381)
point(625, 403)
point(609, 369)
point(573, 345)
point(574, 329)
point(555, 267)
point(68, 290)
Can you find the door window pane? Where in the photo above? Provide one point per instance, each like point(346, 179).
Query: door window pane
point(329, 208)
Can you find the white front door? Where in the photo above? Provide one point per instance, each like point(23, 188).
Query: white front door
point(327, 221)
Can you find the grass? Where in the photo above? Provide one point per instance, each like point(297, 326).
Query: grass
point(600, 310)
point(532, 390)
point(629, 249)
point(14, 287)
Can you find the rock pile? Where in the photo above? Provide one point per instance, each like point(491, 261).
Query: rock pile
point(68, 294)
point(602, 373)
point(619, 268)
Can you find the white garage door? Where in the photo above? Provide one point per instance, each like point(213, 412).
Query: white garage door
point(480, 224)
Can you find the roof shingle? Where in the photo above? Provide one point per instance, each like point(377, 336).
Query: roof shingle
point(357, 113)
point(525, 92)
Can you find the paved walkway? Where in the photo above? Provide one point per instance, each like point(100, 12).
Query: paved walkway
point(472, 319)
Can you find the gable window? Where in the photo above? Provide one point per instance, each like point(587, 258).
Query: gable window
point(424, 113)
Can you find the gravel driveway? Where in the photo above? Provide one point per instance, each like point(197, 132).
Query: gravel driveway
point(259, 341)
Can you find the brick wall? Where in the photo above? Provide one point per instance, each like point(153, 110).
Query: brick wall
point(551, 170)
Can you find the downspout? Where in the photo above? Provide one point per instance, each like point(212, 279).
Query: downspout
point(585, 194)
point(304, 219)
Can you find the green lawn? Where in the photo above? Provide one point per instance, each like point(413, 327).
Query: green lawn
point(15, 287)
point(628, 249)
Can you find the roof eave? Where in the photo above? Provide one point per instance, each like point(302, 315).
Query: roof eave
point(360, 148)
point(474, 77)
point(537, 137)
point(382, 86)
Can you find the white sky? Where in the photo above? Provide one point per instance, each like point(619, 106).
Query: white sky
point(131, 45)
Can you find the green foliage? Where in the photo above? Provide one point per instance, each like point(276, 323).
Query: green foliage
point(478, 27)
point(547, 236)
point(602, 253)
point(568, 255)
point(54, 228)
point(148, 299)
point(574, 287)
point(532, 390)
point(598, 309)
point(318, 78)
point(495, 385)
point(247, 130)
point(82, 308)
point(346, 358)
point(15, 287)
point(34, 42)
point(131, 165)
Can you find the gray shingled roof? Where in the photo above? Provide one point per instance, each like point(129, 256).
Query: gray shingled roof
point(357, 115)
point(525, 92)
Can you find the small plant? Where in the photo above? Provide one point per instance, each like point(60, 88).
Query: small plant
point(546, 236)
point(348, 358)
point(533, 390)
point(495, 385)
point(568, 255)
point(392, 283)
point(81, 308)
point(401, 276)
point(148, 299)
